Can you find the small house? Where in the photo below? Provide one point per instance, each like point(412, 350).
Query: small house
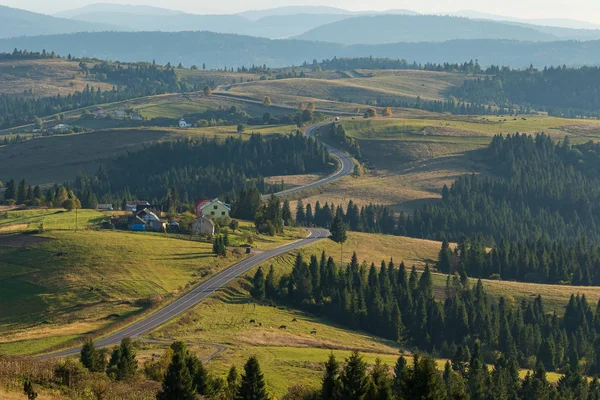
point(61, 128)
point(120, 113)
point(150, 220)
point(134, 206)
point(184, 124)
point(203, 226)
point(104, 207)
point(214, 209)
point(98, 112)
point(136, 117)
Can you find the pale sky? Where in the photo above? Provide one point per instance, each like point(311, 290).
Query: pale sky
point(585, 10)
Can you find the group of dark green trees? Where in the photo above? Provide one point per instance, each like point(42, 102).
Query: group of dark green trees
point(393, 303)
point(463, 378)
point(56, 196)
point(130, 81)
point(540, 261)
point(122, 364)
point(181, 171)
point(561, 91)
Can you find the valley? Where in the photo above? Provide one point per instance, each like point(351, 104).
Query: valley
point(219, 208)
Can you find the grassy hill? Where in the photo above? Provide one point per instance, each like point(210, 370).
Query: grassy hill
point(220, 329)
point(364, 86)
point(46, 77)
point(36, 161)
point(63, 284)
point(408, 160)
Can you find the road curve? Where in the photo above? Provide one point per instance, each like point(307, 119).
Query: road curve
point(346, 166)
point(195, 295)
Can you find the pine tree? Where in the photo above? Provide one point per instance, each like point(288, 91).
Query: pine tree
point(286, 213)
point(338, 233)
point(270, 285)
point(258, 285)
point(199, 374)
point(127, 364)
point(252, 386)
point(330, 383)
point(233, 382)
point(444, 258)
point(177, 383)
point(91, 358)
point(353, 378)
point(300, 214)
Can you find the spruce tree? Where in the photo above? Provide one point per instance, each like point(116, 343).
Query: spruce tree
point(127, 364)
point(177, 384)
point(198, 374)
point(258, 285)
point(330, 383)
point(253, 385)
point(353, 378)
point(91, 358)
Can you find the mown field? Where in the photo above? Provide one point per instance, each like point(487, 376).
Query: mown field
point(62, 284)
point(364, 86)
point(47, 77)
point(408, 160)
point(57, 159)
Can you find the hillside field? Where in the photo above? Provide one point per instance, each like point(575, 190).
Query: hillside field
point(36, 160)
point(47, 77)
point(62, 284)
point(408, 160)
point(221, 329)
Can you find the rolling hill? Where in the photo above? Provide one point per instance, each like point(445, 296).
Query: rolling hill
point(422, 28)
point(15, 22)
point(220, 50)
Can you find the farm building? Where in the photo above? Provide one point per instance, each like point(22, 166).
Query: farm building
point(149, 220)
point(203, 226)
point(134, 206)
point(213, 208)
point(184, 124)
point(104, 207)
point(61, 128)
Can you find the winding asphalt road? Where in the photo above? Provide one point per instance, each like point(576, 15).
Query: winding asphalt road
point(203, 290)
point(346, 166)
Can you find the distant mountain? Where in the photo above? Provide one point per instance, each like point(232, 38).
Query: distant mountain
point(115, 8)
point(315, 10)
point(219, 50)
point(421, 28)
point(15, 22)
point(556, 22)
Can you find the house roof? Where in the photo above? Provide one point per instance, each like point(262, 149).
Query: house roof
point(213, 201)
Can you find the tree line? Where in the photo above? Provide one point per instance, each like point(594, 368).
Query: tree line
point(393, 303)
point(131, 81)
point(561, 91)
point(23, 193)
point(539, 261)
point(180, 172)
point(348, 64)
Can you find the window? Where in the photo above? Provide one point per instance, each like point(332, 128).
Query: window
point(215, 207)
point(222, 212)
point(212, 213)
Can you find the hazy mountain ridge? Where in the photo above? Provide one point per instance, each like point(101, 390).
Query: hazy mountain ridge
point(219, 50)
point(422, 28)
point(304, 22)
point(16, 22)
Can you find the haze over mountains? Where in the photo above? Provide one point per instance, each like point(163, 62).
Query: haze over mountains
point(144, 33)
